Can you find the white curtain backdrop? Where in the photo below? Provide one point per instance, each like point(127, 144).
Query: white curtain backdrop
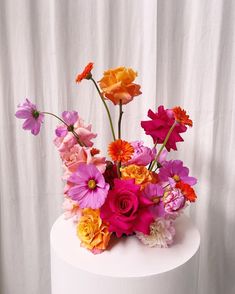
point(184, 54)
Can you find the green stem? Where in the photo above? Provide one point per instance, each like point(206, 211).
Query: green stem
point(120, 119)
point(106, 107)
point(164, 144)
point(60, 119)
point(150, 165)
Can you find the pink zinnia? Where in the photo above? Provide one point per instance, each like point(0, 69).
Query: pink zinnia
point(89, 188)
point(126, 209)
point(33, 117)
point(173, 171)
point(159, 126)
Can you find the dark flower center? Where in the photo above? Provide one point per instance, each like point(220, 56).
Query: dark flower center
point(70, 128)
point(35, 114)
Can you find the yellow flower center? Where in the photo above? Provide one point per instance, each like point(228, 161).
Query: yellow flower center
point(91, 184)
point(176, 178)
point(156, 199)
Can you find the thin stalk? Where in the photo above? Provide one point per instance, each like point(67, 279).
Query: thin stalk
point(120, 119)
point(106, 107)
point(60, 119)
point(163, 145)
point(150, 165)
point(118, 169)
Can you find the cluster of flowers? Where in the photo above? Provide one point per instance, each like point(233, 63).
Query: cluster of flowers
point(138, 192)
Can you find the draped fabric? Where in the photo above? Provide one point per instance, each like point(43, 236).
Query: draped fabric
point(184, 54)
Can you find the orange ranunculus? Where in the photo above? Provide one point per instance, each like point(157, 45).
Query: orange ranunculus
point(141, 174)
point(182, 117)
point(86, 74)
point(117, 84)
point(92, 231)
point(120, 150)
point(187, 191)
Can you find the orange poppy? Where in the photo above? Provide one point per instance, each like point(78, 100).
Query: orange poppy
point(120, 150)
point(187, 191)
point(182, 117)
point(86, 74)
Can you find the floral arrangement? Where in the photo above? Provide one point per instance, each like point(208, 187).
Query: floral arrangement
point(138, 191)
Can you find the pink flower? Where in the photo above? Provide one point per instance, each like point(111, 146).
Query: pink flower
point(159, 126)
point(70, 117)
point(154, 192)
point(173, 200)
point(33, 117)
point(71, 209)
point(126, 210)
point(64, 144)
point(174, 171)
point(77, 155)
point(142, 155)
point(89, 189)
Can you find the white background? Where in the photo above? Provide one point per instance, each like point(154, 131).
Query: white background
point(184, 54)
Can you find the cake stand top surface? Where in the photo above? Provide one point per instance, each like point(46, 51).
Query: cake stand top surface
point(128, 257)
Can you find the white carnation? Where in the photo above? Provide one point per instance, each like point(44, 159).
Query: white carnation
point(161, 235)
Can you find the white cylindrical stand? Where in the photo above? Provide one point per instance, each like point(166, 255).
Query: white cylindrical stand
point(129, 267)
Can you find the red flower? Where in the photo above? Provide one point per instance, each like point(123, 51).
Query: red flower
point(110, 173)
point(86, 74)
point(182, 117)
point(187, 191)
point(159, 126)
point(126, 210)
point(94, 151)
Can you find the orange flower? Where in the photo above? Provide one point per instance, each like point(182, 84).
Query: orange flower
point(140, 174)
point(92, 232)
point(117, 84)
point(181, 116)
point(86, 74)
point(187, 191)
point(120, 150)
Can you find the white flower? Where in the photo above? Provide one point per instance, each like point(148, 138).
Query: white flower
point(161, 235)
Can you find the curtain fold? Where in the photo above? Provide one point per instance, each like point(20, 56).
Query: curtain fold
point(184, 54)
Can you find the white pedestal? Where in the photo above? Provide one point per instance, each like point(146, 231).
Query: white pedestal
point(128, 268)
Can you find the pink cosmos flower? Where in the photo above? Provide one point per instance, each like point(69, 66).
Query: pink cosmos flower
point(70, 117)
point(142, 155)
point(126, 209)
point(77, 155)
point(64, 144)
point(174, 171)
point(33, 117)
point(159, 126)
point(89, 189)
point(154, 192)
point(174, 201)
